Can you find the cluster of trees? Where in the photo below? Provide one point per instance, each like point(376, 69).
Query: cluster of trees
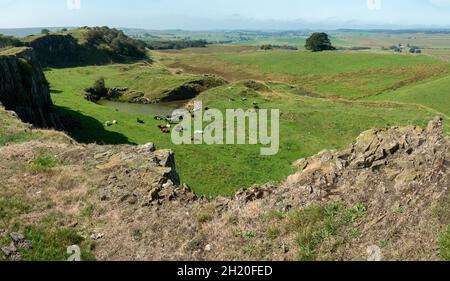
point(115, 42)
point(283, 47)
point(175, 44)
point(400, 48)
point(266, 47)
point(9, 41)
point(415, 50)
point(318, 42)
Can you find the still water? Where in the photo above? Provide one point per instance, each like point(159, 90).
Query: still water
point(165, 108)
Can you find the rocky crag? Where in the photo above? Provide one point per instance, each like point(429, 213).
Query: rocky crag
point(57, 50)
point(24, 89)
point(388, 190)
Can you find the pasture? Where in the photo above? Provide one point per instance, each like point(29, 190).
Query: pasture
point(330, 119)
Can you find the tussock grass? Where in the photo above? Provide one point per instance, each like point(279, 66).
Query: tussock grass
point(51, 245)
point(43, 161)
point(444, 242)
point(321, 228)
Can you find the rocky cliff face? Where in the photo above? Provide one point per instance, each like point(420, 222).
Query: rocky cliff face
point(24, 89)
point(56, 50)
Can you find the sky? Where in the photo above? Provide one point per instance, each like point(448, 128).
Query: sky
point(226, 14)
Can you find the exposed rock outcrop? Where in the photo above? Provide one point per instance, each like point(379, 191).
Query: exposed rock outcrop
point(24, 89)
point(56, 50)
point(187, 91)
point(398, 178)
point(400, 175)
point(192, 89)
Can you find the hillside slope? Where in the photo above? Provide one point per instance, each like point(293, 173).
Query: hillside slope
point(388, 189)
point(434, 94)
point(85, 46)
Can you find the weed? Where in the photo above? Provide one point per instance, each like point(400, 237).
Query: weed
point(444, 242)
point(249, 235)
point(317, 228)
point(44, 161)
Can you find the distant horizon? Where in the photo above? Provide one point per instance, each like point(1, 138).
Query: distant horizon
point(404, 28)
point(28, 31)
point(198, 15)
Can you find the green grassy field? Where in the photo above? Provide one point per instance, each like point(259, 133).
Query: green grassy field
point(308, 125)
point(336, 74)
point(300, 63)
point(434, 94)
point(347, 74)
point(153, 81)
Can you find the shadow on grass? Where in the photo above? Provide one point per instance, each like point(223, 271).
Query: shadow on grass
point(86, 129)
point(53, 91)
point(87, 57)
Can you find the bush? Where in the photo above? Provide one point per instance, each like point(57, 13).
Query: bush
point(266, 47)
point(97, 91)
point(175, 44)
point(99, 85)
point(415, 50)
point(7, 41)
point(319, 42)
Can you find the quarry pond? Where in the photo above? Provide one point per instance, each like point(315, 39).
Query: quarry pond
point(164, 108)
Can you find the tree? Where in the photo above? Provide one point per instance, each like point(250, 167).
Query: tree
point(45, 31)
point(116, 42)
point(6, 41)
point(267, 47)
point(99, 86)
point(96, 92)
point(319, 42)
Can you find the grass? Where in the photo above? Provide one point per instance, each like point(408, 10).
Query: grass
point(10, 51)
point(308, 125)
point(51, 245)
point(328, 63)
point(320, 228)
point(434, 94)
point(49, 242)
point(44, 161)
point(207, 214)
point(140, 77)
point(10, 207)
point(12, 131)
point(345, 74)
point(444, 242)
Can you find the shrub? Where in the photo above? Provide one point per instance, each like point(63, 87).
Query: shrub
point(266, 47)
point(115, 41)
point(318, 42)
point(9, 41)
point(445, 245)
point(175, 44)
